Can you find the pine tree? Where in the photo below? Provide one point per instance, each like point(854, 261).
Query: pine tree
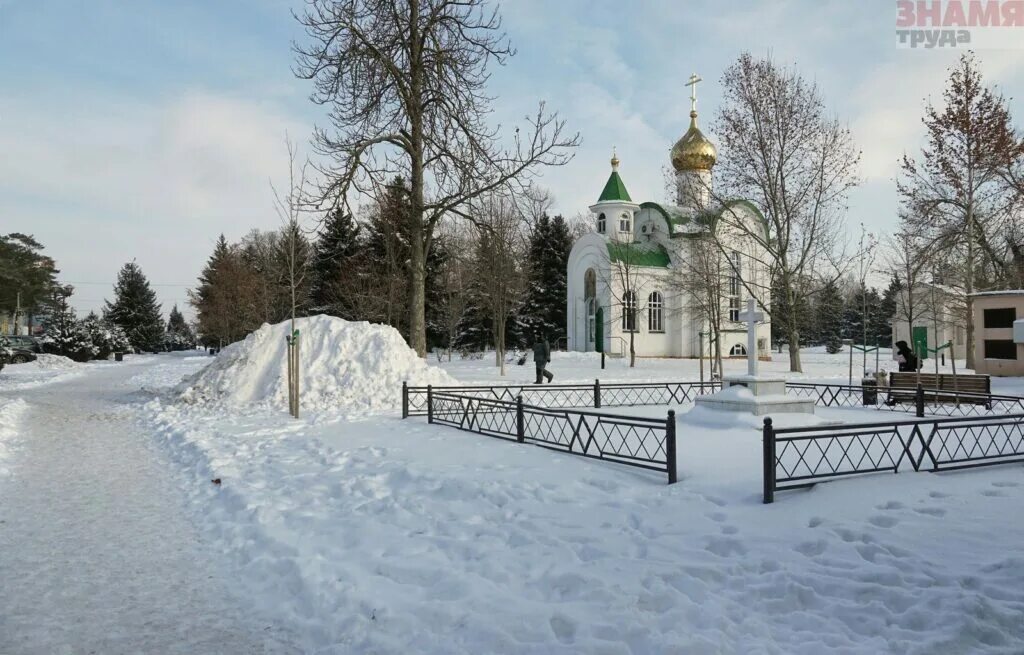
point(63, 334)
point(179, 335)
point(887, 311)
point(223, 297)
point(829, 312)
point(548, 258)
point(335, 264)
point(135, 309)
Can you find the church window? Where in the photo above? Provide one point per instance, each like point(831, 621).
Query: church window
point(735, 285)
point(734, 309)
point(738, 350)
point(655, 312)
point(625, 223)
point(600, 223)
point(629, 311)
point(590, 284)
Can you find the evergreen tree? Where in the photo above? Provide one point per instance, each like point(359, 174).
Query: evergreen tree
point(179, 335)
point(548, 258)
point(225, 283)
point(861, 314)
point(63, 334)
point(887, 311)
point(336, 253)
point(104, 337)
point(135, 309)
point(829, 315)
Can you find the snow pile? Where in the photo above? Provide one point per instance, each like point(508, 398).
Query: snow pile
point(10, 414)
point(351, 366)
point(45, 362)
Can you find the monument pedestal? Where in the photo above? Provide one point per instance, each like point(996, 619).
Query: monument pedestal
point(758, 395)
point(754, 393)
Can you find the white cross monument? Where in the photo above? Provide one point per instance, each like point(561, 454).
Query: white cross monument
point(752, 317)
point(756, 393)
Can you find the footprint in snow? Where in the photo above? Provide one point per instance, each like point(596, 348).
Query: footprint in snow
point(931, 511)
point(564, 628)
point(992, 493)
point(815, 521)
point(725, 546)
point(937, 494)
point(729, 529)
point(883, 521)
point(717, 516)
point(1005, 484)
point(892, 504)
point(811, 548)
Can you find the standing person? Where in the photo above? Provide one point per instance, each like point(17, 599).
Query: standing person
point(906, 357)
point(541, 356)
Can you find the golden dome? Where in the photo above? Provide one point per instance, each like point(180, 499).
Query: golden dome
point(693, 152)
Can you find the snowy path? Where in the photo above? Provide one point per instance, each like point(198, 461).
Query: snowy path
point(97, 554)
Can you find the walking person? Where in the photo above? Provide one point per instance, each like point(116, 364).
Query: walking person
point(541, 356)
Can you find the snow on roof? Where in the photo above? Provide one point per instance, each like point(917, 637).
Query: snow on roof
point(1003, 292)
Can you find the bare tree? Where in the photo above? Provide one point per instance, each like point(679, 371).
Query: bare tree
point(702, 280)
point(627, 276)
point(956, 189)
point(908, 259)
point(406, 86)
point(289, 207)
point(781, 150)
point(500, 251)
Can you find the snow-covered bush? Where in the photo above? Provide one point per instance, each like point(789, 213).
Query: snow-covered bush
point(84, 340)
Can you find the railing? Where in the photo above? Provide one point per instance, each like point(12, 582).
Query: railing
point(631, 440)
point(801, 457)
point(556, 396)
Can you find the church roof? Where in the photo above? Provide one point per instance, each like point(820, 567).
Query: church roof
point(614, 189)
point(638, 254)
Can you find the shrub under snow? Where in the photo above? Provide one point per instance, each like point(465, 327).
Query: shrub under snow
point(351, 366)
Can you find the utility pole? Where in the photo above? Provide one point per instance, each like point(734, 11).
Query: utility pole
point(17, 313)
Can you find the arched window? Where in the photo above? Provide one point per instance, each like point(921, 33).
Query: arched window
point(589, 284)
point(739, 350)
point(600, 223)
point(625, 222)
point(629, 311)
point(655, 312)
point(735, 285)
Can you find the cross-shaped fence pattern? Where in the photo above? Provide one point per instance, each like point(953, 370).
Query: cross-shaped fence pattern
point(801, 457)
point(642, 442)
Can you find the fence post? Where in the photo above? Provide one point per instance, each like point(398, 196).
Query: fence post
point(919, 401)
point(768, 440)
point(430, 404)
point(520, 420)
point(602, 360)
point(405, 399)
point(670, 445)
point(597, 394)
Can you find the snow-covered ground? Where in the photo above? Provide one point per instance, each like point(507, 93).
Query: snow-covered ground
point(365, 533)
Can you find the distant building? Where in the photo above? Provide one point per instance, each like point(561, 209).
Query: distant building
point(938, 313)
point(997, 351)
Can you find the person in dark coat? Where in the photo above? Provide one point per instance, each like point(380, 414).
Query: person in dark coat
point(541, 356)
point(906, 357)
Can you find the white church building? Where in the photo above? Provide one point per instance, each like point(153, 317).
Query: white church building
point(668, 273)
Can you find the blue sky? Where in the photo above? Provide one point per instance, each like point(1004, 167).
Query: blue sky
point(142, 130)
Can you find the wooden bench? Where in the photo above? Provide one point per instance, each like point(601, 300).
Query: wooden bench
point(940, 388)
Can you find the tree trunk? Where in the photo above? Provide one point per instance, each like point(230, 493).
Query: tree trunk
point(969, 289)
point(418, 237)
point(794, 351)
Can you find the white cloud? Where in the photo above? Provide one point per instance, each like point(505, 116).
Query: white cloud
point(103, 180)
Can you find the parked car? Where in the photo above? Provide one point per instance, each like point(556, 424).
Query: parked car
point(20, 348)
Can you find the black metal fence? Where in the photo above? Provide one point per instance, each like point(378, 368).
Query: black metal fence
point(623, 394)
point(642, 442)
point(553, 396)
point(801, 457)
